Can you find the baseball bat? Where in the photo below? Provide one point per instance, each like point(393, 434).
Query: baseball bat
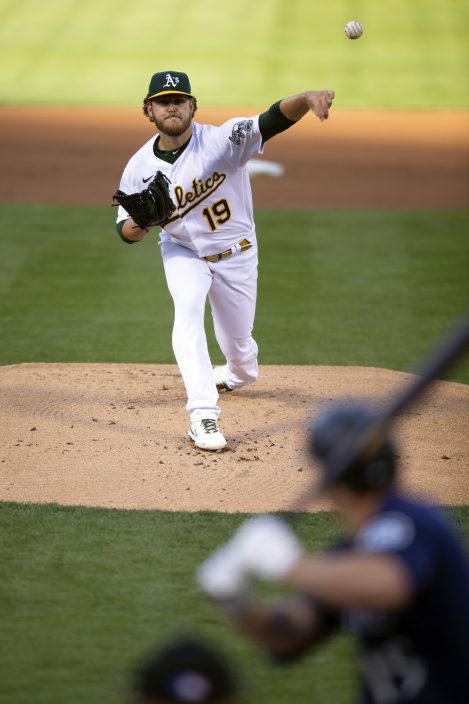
point(364, 441)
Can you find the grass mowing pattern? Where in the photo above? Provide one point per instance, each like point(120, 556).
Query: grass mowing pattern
point(370, 288)
point(84, 591)
point(87, 591)
point(413, 54)
point(361, 288)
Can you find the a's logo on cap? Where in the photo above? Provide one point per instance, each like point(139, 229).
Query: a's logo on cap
point(170, 81)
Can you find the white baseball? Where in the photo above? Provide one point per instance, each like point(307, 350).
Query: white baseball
point(353, 29)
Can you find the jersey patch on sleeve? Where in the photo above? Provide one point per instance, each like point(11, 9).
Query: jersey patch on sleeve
point(238, 131)
point(388, 532)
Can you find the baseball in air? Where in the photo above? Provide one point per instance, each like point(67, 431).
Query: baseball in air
point(353, 29)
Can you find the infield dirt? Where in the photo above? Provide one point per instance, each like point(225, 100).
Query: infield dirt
point(357, 159)
point(115, 435)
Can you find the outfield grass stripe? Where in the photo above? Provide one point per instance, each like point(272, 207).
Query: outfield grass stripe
point(93, 589)
point(88, 591)
point(413, 54)
point(77, 288)
point(353, 288)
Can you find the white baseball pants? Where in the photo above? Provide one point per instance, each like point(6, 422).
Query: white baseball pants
point(231, 286)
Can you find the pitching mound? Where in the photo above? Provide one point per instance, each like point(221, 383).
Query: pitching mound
point(116, 436)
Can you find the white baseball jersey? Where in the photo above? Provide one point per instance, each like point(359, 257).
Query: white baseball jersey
point(210, 185)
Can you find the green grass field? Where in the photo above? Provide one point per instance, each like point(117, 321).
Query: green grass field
point(412, 54)
point(86, 592)
point(367, 288)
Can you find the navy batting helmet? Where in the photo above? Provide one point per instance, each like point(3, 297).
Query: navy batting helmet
point(335, 440)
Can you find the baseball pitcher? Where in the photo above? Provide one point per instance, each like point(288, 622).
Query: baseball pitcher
point(192, 181)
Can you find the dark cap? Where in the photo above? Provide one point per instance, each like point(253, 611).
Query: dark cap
point(167, 83)
point(353, 447)
point(185, 670)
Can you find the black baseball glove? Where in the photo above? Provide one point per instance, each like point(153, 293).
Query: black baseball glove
point(150, 207)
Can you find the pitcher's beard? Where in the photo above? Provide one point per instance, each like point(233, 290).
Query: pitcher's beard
point(173, 130)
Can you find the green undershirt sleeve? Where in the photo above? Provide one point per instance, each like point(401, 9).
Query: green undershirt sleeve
point(119, 227)
point(273, 121)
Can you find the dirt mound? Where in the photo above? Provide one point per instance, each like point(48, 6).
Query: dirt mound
point(115, 435)
point(357, 159)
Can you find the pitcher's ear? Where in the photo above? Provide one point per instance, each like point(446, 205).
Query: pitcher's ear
point(146, 112)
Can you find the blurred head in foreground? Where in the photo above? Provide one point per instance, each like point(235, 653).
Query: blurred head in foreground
point(185, 670)
point(357, 460)
point(336, 434)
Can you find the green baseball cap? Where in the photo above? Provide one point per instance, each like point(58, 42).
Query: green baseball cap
point(169, 82)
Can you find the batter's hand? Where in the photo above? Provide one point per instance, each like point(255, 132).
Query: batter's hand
point(263, 547)
point(266, 547)
point(221, 576)
point(319, 102)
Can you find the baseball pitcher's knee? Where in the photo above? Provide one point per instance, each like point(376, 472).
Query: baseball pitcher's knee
point(186, 308)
